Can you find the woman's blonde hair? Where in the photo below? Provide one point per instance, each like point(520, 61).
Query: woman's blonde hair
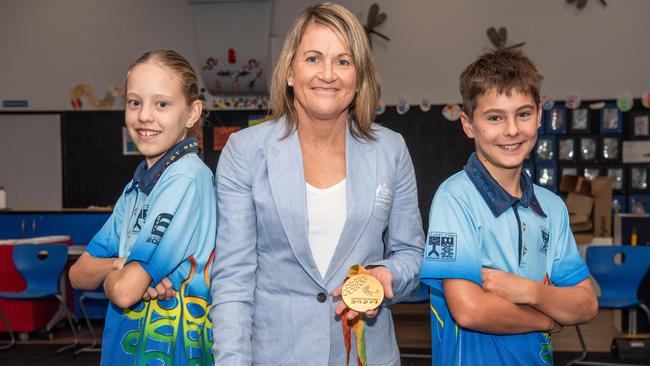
point(342, 21)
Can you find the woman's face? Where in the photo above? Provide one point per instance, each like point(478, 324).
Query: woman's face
point(322, 74)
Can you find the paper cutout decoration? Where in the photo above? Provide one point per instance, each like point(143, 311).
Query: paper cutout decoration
point(220, 136)
point(425, 105)
point(380, 108)
point(547, 102)
point(234, 62)
point(573, 101)
point(580, 4)
point(256, 119)
point(645, 99)
point(451, 112)
point(85, 90)
point(375, 19)
point(500, 38)
point(402, 106)
point(596, 106)
point(625, 102)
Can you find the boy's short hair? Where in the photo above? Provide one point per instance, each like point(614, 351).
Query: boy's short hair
point(503, 70)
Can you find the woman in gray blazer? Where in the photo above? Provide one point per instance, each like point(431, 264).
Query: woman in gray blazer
point(306, 195)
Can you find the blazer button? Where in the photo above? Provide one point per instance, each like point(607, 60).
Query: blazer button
point(321, 297)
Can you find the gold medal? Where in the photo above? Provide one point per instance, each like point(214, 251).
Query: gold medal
point(362, 292)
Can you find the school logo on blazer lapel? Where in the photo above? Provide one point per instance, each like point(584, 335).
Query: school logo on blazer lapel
point(441, 247)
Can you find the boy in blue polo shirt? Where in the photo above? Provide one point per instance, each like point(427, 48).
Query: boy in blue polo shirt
point(501, 262)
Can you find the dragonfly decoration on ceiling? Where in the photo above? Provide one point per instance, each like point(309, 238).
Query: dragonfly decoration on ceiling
point(499, 38)
point(375, 19)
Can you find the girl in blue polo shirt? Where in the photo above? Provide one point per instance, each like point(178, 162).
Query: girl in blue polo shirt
point(154, 253)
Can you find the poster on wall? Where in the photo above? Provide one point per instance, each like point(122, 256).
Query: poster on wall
point(233, 46)
point(128, 146)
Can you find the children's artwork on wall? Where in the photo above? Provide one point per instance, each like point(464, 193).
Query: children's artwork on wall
point(573, 101)
point(641, 124)
point(597, 106)
point(547, 102)
point(588, 148)
point(425, 105)
point(618, 178)
point(128, 146)
point(638, 178)
point(568, 170)
point(619, 204)
point(625, 102)
point(545, 149)
point(244, 102)
point(381, 107)
point(556, 120)
point(591, 172)
point(566, 149)
point(580, 120)
point(546, 175)
point(610, 148)
point(451, 112)
point(638, 203)
point(645, 99)
point(611, 120)
point(233, 46)
point(220, 136)
point(84, 90)
point(402, 106)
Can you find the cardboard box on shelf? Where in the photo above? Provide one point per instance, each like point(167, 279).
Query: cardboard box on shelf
point(589, 204)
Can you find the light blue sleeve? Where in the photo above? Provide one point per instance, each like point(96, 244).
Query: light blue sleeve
point(106, 243)
point(233, 277)
point(404, 239)
point(452, 248)
point(568, 267)
point(165, 240)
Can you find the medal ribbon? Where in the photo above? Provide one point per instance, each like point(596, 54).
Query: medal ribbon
point(357, 325)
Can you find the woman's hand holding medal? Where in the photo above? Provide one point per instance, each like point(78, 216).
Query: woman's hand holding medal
point(364, 291)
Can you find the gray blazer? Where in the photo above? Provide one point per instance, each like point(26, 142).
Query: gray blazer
point(271, 306)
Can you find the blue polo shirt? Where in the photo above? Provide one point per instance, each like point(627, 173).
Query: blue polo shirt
point(166, 221)
point(475, 223)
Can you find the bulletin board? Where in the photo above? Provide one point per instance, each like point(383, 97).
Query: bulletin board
point(95, 170)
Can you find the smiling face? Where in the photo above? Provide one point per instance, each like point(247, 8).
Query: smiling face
point(504, 129)
point(322, 75)
point(157, 113)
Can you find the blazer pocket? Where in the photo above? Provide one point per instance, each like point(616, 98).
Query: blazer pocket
point(272, 330)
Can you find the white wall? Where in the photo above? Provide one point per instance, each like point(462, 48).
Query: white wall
point(30, 161)
point(48, 46)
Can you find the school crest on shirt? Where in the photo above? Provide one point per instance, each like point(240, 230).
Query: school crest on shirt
point(139, 221)
point(543, 248)
point(441, 247)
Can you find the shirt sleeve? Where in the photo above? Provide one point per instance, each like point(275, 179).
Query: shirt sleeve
point(165, 241)
point(452, 249)
point(568, 268)
point(106, 243)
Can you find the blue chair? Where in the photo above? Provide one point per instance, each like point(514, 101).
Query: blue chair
point(619, 278)
point(41, 266)
point(92, 296)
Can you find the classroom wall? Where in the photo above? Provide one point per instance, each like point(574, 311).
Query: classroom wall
point(599, 52)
